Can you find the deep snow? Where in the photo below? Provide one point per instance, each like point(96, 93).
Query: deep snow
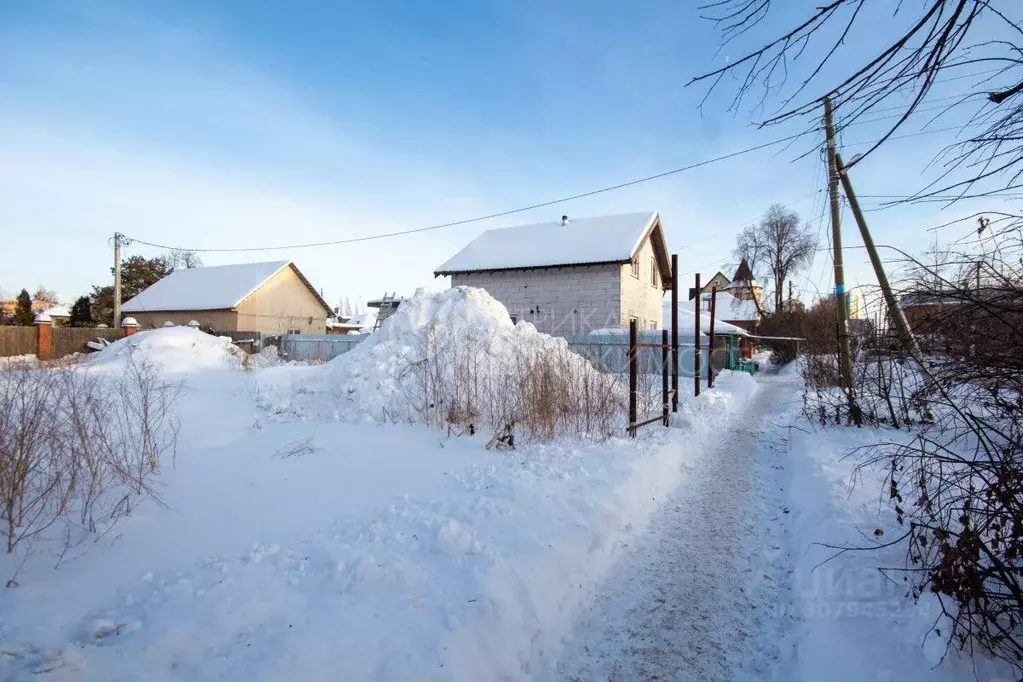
point(294, 544)
point(302, 538)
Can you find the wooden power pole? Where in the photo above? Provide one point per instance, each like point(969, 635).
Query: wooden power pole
point(710, 353)
point(898, 317)
point(117, 280)
point(674, 332)
point(844, 352)
point(698, 303)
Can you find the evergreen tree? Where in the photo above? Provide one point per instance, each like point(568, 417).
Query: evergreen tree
point(81, 312)
point(23, 311)
point(137, 273)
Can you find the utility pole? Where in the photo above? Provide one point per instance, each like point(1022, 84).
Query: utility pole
point(710, 354)
point(898, 317)
point(788, 303)
point(117, 280)
point(674, 332)
point(696, 353)
point(844, 352)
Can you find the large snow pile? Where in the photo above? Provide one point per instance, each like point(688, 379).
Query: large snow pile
point(455, 356)
point(174, 350)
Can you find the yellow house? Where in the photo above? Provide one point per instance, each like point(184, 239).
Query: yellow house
point(273, 298)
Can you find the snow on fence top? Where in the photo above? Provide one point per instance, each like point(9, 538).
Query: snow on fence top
point(605, 239)
point(220, 287)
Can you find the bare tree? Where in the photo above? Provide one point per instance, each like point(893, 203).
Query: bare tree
point(778, 247)
point(750, 248)
point(44, 295)
point(973, 42)
point(183, 259)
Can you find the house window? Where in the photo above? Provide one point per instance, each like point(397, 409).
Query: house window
point(653, 272)
point(635, 268)
point(653, 324)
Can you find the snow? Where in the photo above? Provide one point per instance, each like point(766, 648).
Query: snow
point(365, 320)
point(58, 311)
point(604, 239)
point(732, 581)
point(853, 623)
point(374, 377)
point(687, 320)
point(729, 307)
point(290, 544)
point(174, 350)
point(300, 535)
point(220, 287)
point(698, 592)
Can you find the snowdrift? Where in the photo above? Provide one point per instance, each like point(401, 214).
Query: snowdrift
point(173, 350)
point(455, 357)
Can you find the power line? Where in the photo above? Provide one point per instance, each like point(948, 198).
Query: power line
point(489, 216)
point(521, 209)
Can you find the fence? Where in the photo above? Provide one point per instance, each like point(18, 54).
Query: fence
point(663, 349)
point(250, 342)
point(17, 341)
point(68, 340)
point(315, 347)
point(609, 352)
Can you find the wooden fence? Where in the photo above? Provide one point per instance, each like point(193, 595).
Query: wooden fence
point(68, 340)
point(17, 341)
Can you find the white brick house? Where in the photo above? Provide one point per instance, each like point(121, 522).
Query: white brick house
point(571, 276)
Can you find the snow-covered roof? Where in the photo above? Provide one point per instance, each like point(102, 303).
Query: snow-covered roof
point(219, 287)
point(365, 320)
point(604, 239)
point(58, 311)
point(687, 318)
point(728, 307)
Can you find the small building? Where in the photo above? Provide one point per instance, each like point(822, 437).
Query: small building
point(571, 277)
point(718, 281)
point(59, 314)
point(272, 298)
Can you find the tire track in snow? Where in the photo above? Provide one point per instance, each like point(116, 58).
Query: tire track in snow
point(704, 594)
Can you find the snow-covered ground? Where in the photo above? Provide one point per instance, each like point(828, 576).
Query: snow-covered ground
point(853, 622)
point(705, 594)
point(733, 581)
point(302, 543)
point(303, 535)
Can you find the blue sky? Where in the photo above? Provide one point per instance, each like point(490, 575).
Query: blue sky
point(239, 124)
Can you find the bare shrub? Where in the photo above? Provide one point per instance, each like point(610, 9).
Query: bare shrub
point(459, 382)
point(147, 425)
point(75, 444)
point(957, 485)
point(36, 485)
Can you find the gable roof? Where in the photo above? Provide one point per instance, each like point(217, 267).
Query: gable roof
point(219, 287)
point(582, 241)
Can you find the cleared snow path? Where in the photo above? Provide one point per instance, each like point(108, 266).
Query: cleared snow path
point(705, 593)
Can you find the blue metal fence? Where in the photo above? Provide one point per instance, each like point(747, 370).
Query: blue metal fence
point(317, 347)
point(607, 352)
